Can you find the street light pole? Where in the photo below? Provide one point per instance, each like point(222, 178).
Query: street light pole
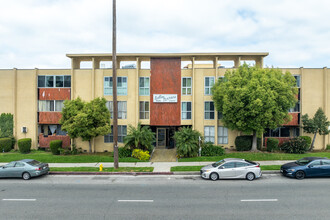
point(114, 87)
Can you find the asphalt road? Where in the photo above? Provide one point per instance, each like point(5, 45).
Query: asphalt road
point(163, 197)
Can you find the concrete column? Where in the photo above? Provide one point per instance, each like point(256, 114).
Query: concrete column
point(93, 79)
point(36, 107)
point(325, 100)
point(15, 106)
point(301, 97)
point(260, 62)
point(216, 112)
point(237, 62)
point(137, 109)
point(75, 63)
point(193, 92)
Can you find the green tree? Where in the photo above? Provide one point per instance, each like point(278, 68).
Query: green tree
point(252, 99)
point(139, 137)
point(86, 119)
point(187, 142)
point(318, 124)
point(6, 125)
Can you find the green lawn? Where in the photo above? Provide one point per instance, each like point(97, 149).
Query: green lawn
point(260, 156)
point(48, 157)
point(96, 169)
point(197, 168)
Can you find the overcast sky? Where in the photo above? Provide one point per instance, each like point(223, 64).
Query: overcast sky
point(39, 33)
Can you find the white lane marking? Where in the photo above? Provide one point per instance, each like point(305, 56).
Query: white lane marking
point(259, 200)
point(29, 200)
point(135, 200)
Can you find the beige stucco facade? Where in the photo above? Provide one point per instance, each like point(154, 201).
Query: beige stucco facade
point(19, 91)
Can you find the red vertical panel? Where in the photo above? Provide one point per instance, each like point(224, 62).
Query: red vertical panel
point(165, 79)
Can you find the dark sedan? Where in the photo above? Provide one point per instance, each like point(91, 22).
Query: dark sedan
point(307, 167)
point(25, 169)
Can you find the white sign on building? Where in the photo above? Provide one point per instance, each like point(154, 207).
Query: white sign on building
point(165, 98)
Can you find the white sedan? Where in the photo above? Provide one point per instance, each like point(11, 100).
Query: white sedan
point(232, 168)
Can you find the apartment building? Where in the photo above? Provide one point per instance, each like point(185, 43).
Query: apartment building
point(162, 90)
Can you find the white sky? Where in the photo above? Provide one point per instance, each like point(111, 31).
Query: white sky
point(38, 33)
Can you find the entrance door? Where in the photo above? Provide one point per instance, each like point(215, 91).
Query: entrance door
point(161, 137)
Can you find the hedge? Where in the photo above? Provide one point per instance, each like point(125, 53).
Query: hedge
point(296, 145)
point(124, 152)
point(55, 146)
point(6, 144)
point(24, 145)
point(209, 150)
point(244, 143)
point(272, 144)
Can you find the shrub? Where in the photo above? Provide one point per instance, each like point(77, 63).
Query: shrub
point(6, 144)
point(187, 142)
point(244, 143)
point(272, 144)
point(6, 125)
point(208, 149)
point(328, 146)
point(295, 146)
point(308, 140)
point(140, 154)
point(24, 145)
point(124, 152)
point(55, 146)
point(140, 137)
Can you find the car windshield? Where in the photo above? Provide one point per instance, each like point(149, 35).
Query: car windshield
point(218, 163)
point(303, 162)
point(34, 163)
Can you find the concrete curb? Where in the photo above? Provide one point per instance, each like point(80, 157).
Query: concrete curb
point(141, 173)
point(110, 173)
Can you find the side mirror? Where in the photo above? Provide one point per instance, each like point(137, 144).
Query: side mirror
point(221, 167)
point(311, 166)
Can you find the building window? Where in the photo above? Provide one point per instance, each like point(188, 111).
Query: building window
point(122, 109)
point(277, 132)
point(209, 82)
point(208, 110)
point(209, 134)
point(61, 81)
point(296, 108)
point(297, 81)
point(50, 105)
point(186, 85)
point(144, 110)
point(222, 135)
point(122, 132)
point(144, 86)
point(186, 110)
point(121, 85)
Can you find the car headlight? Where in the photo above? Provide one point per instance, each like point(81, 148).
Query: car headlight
point(291, 170)
point(206, 171)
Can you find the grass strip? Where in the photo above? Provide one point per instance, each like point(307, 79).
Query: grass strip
point(197, 168)
point(107, 169)
point(259, 156)
point(48, 157)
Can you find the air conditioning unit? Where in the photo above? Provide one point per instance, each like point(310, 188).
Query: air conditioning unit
point(24, 129)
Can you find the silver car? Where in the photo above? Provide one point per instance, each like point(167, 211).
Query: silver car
point(231, 168)
point(25, 169)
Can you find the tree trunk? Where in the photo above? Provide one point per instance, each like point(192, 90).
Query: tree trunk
point(90, 146)
point(312, 145)
point(254, 141)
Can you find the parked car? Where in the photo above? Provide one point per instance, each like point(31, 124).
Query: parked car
point(307, 167)
point(231, 168)
point(25, 169)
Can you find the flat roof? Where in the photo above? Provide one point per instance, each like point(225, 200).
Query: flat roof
point(198, 56)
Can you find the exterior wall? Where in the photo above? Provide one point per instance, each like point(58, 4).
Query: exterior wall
point(165, 79)
point(19, 96)
point(44, 141)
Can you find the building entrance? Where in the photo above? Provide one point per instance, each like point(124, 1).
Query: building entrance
point(164, 136)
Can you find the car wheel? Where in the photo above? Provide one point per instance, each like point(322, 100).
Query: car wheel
point(214, 176)
point(250, 176)
point(26, 176)
point(300, 175)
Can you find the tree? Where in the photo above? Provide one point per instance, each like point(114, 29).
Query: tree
point(187, 142)
point(252, 99)
point(6, 125)
point(139, 137)
point(86, 120)
point(318, 124)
